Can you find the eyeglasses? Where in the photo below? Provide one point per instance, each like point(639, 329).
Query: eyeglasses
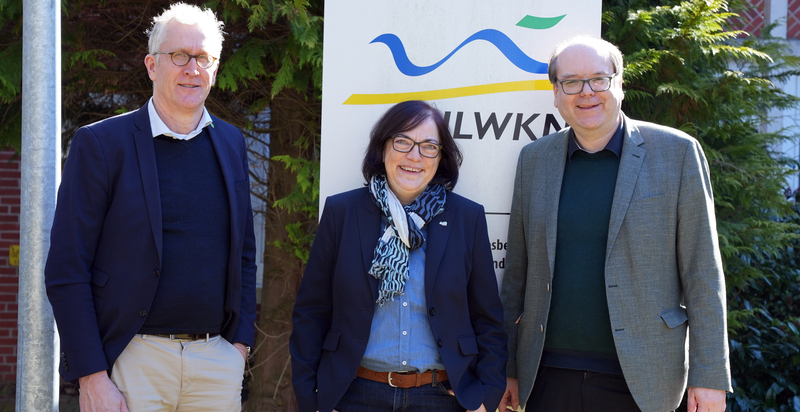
point(181, 59)
point(597, 84)
point(426, 149)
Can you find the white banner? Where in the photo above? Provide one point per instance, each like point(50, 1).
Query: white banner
point(483, 64)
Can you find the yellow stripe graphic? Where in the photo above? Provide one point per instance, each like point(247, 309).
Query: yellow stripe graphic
point(390, 98)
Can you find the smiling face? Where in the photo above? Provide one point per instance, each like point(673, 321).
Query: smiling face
point(181, 91)
point(594, 116)
point(408, 174)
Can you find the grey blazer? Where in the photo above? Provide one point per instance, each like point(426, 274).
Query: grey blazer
point(663, 268)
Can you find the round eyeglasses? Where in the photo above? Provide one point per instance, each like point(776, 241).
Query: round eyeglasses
point(181, 59)
point(426, 149)
point(597, 84)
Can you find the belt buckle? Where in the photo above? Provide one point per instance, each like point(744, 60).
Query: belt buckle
point(390, 380)
point(172, 338)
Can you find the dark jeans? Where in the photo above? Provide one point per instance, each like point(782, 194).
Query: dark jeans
point(568, 390)
point(365, 395)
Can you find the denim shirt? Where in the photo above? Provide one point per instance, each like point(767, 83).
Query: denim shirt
point(401, 339)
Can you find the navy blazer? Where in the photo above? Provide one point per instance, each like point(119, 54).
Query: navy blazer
point(333, 313)
point(103, 267)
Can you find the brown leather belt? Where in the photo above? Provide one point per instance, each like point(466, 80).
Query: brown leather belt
point(186, 337)
point(403, 380)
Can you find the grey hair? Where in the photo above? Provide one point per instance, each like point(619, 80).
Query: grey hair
point(609, 50)
point(189, 15)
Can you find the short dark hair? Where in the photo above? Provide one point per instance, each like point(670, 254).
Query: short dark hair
point(403, 117)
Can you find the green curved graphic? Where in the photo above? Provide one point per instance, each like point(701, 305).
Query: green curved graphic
point(539, 23)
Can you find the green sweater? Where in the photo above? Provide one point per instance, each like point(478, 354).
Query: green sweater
point(579, 332)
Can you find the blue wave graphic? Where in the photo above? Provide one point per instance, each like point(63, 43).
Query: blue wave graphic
point(497, 38)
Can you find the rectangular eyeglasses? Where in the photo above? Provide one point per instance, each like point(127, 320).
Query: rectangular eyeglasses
point(597, 84)
point(404, 145)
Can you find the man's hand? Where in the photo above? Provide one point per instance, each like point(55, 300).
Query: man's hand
point(705, 400)
point(242, 350)
point(510, 400)
point(99, 394)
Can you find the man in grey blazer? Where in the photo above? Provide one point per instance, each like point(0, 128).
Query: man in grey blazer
point(613, 293)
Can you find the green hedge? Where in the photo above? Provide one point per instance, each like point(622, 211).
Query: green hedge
point(765, 354)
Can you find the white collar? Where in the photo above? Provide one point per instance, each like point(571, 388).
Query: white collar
point(158, 127)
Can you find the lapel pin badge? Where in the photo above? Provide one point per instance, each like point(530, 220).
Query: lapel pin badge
point(443, 223)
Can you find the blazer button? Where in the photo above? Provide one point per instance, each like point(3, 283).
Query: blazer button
point(143, 312)
point(439, 343)
point(542, 328)
point(155, 272)
point(432, 311)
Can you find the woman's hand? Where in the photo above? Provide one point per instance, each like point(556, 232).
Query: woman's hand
point(481, 409)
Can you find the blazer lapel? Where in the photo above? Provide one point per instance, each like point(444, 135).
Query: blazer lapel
point(435, 245)
point(556, 161)
point(633, 153)
point(218, 142)
point(369, 230)
point(225, 164)
point(146, 154)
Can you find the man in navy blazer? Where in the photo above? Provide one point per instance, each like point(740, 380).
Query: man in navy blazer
point(151, 270)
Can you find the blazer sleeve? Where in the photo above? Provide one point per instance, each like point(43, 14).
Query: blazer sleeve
point(245, 330)
point(83, 200)
point(515, 276)
point(486, 316)
point(313, 309)
point(700, 266)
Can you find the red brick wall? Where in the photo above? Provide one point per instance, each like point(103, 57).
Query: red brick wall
point(9, 275)
point(793, 20)
point(751, 19)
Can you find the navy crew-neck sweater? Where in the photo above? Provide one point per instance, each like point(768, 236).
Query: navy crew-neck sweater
point(578, 328)
point(196, 238)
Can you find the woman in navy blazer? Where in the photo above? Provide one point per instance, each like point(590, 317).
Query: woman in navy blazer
point(398, 309)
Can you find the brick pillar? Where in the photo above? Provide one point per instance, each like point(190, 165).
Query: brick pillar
point(9, 274)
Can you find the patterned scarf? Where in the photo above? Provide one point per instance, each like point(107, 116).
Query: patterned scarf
point(403, 233)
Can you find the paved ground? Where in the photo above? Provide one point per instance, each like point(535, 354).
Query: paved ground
point(67, 400)
point(65, 404)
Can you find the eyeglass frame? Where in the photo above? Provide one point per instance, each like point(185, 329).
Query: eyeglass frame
point(585, 81)
point(211, 59)
point(419, 148)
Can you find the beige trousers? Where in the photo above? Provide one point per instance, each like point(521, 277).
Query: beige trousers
point(156, 374)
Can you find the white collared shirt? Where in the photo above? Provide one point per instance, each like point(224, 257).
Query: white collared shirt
point(158, 127)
